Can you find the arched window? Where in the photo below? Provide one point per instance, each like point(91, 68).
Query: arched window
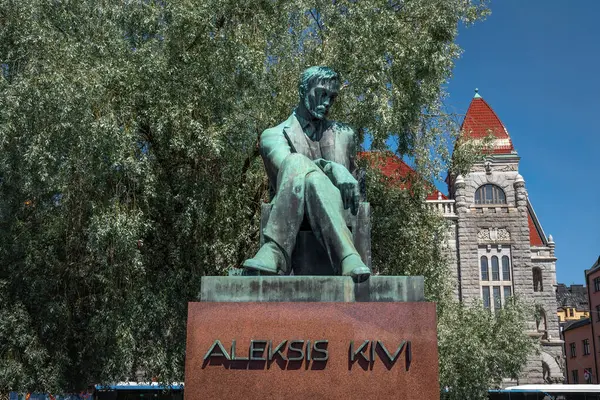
point(490, 194)
point(505, 268)
point(537, 280)
point(495, 269)
point(541, 321)
point(484, 269)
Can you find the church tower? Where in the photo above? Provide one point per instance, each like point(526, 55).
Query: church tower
point(501, 248)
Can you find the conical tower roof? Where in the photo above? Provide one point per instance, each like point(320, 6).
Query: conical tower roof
point(481, 121)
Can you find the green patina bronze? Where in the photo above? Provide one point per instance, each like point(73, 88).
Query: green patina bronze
point(311, 289)
point(310, 164)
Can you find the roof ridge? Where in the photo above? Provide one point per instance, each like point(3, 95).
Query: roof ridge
point(576, 324)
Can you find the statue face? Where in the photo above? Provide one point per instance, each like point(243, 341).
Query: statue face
point(320, 97)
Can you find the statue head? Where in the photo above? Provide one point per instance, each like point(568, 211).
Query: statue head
point(318, 88)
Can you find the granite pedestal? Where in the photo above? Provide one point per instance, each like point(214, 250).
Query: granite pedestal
point(311, 338)
point(311, 288)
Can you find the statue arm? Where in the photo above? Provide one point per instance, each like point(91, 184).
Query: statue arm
point(344, 178)
point(274, 148)
point(344, 181)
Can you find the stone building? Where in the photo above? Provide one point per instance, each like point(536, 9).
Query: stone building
point(579, 354)
point(498, 246)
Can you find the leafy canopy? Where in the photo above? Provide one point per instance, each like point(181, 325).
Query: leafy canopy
point(128, 162)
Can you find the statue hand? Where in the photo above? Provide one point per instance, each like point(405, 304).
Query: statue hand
point(346, 183)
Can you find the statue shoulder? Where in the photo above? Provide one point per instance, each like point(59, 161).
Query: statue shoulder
point(341, 128)
point(274, 130)
point(273, 137)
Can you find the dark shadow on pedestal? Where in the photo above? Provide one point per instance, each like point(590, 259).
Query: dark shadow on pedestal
point(264, 364)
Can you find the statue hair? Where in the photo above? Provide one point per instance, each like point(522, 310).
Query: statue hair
point(315, 74)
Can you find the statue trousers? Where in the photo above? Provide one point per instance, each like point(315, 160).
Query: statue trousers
point(304, 190)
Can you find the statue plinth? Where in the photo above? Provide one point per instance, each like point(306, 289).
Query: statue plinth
point(311, 337)
point(311, 289)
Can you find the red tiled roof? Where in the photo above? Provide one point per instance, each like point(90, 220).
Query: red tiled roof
point(535, 239)
point(481, 120)
point(437, 195)
point(393, 167)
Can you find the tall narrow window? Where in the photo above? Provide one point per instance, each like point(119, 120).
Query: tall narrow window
point(505, 268)
point(575, 376)
point(486, 296)
point(537, 280)
point(495, 269)
point(573, 349)
point(586, 346)
point(484, 269)
point(597, 284)
point(541, 321)
point(497, 300)
point(507, 292)
point(495, 275)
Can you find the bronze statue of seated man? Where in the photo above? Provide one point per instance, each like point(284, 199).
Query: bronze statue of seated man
point(310, 162)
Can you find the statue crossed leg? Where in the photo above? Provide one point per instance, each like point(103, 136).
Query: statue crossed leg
point(304, 189)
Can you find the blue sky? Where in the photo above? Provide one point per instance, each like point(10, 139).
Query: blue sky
point(537, 64)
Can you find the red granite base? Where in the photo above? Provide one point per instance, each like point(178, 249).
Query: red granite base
point(325, 370)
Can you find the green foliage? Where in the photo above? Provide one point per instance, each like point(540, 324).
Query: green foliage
point(468, 152)
point(129, 168)
point(479, 348)
point(407, 238)
point(25, 362)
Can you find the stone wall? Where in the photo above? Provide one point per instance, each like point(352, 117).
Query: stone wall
point(546, 298)
point(451, 253)
point(475, 219)
point(479, 226)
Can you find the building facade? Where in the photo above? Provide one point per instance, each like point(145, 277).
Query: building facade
point(582, 338)
point(579, 354)
point(592, 281)
point(497, 245)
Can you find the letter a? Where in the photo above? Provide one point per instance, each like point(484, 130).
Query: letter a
point(213, 352)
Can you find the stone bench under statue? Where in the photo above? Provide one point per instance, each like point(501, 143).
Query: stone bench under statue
point(309, 257)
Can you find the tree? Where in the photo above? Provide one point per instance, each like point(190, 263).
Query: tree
point(480, 348)
point(128, 159)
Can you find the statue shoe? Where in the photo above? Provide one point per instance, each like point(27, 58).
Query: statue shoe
point(267, 261)
point(353, 266)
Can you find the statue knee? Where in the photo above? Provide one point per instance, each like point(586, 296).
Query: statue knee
point(315, 181)
point(298, 161)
